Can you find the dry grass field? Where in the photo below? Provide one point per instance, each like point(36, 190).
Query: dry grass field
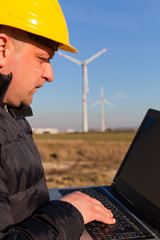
point(82, 159)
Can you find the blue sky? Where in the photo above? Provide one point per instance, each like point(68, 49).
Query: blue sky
point(129, 71)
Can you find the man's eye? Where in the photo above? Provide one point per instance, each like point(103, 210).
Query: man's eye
point(44, 59)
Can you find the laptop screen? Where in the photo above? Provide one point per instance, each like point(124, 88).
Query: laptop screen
point(139, 174)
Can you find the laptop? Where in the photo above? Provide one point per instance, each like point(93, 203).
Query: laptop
point(134, 195)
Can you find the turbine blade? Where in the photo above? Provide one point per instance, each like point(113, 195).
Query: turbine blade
point(108, 103)
point(70, 58)
point(95, 56)
point(94, 104)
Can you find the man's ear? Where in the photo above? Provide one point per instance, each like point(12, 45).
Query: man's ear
point(4, 47)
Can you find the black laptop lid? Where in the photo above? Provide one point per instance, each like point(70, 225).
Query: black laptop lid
point(138, 177)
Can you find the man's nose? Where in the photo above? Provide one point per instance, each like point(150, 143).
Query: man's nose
point(48, 73)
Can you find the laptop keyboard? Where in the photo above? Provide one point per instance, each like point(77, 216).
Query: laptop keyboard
point(125, 226)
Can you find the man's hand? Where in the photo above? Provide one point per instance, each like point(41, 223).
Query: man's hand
point(90, 208)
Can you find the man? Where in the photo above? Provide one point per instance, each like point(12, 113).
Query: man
point(30, 33)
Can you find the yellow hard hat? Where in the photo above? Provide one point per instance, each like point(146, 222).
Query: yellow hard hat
point(40, 17)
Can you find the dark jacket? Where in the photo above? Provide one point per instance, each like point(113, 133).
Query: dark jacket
point(25, 209)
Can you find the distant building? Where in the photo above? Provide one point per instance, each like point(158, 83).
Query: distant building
point(69, 131)
point(45, 130)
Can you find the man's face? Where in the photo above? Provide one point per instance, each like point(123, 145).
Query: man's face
point(31, 68)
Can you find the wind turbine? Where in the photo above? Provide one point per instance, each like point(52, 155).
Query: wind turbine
point(102, 101)
point(85, 81)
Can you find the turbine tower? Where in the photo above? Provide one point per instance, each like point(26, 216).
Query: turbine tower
point(102, 101)
point(85, 82)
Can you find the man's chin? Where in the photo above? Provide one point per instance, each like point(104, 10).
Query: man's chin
point(26, 102)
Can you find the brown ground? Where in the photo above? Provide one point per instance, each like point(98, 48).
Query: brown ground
point(77, 162)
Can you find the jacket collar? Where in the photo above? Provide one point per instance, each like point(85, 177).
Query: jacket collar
point(5, 81)
point(16, 112)
point(19, 112)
